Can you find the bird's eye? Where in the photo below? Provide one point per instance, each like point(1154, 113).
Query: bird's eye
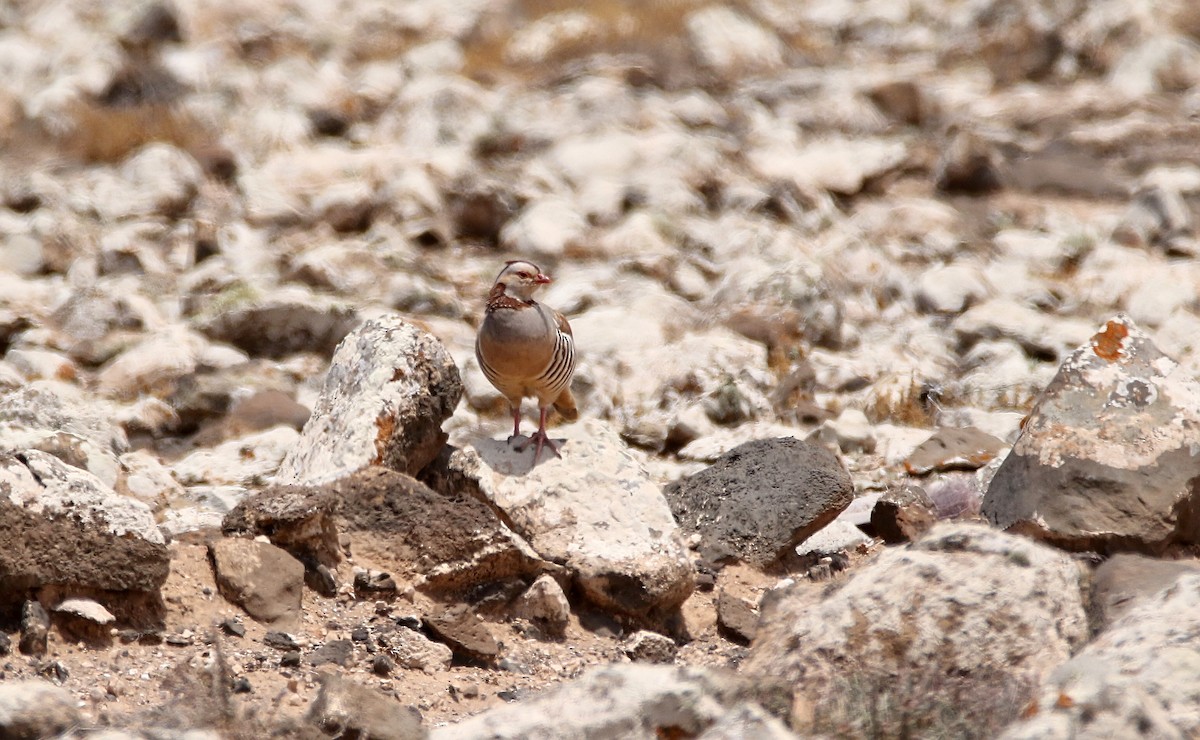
point(523, 275)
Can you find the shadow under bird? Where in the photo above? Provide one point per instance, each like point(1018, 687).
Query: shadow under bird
point(526, 350)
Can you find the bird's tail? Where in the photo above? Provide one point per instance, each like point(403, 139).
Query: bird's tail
point(565, 405)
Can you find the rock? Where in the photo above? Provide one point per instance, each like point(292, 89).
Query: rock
point(732, 45)
point(1125, 581)
point(347, 709)
point(849, 432)
point(336, 652)
point(35, 629)
point(66, 529)
point(299, 519)
point(154, 365)
point(645, 646)
point(465, 634)
point(839, 536)
point(903, 514)
point(388, 390)
point(633, 701)
point(157, 179)
point(545, 605)
point(966, 608)
point(593, 511)
point(22, 254)
point(278, 324)
point(747, 721)
point(41, 364)
point(145, 478)
point(546, 229)
point(761, 499)
point(965, 448)
point(413, 650)
point(950, 289)
point(259, 577)
point(1084, 474)
point(44, 410)
point(1157, 216)
point(1037, 334)
point(445, 544)
point(737, 618)
point(31, 709)
point(1137, 679)
point(248, 460)
point(957, 495)
point(1163, 63)
point(967, 164)
point(842, 166)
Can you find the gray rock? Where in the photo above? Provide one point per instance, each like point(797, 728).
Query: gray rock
point(388, 390)
point(300, 519)
point(1038, 334)
point(278, 324)
point(637, 701)
point(1084, 474)
point(746, 721)
point(737, 618)
point(64, 528)
point(45, 410)
point(966, 608)
point(35, 629)
point(645, 646)
point(761, 499)
point(593, 511)
point(903, 514)
point(967, 164)
point(245, 461)
point(32, 709)
point(1137, 679)
point(840, 535)
point(465, 634)
point(411, 649)
point(545, 605)
point(259, 577)
point(1126, 580)
point(445, 544)
point(1157, 216)
point(348, 709)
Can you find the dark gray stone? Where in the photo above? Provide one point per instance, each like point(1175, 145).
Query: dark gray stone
point(737, 619)
point(761, 499)
point(35, 629)
point(465, 634)
point(338, 652)
point(1107, 459)
point(259, 577)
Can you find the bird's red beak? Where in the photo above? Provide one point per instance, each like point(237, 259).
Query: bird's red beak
point(541, 279)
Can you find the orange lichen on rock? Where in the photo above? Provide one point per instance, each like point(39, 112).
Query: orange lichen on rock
point(386, 424)
point(1107, 344)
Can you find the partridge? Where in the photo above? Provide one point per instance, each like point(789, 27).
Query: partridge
point(526, 349)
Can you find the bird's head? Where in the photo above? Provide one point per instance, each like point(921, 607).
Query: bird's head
point(520, 279)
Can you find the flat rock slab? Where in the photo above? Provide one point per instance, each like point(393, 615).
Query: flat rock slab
point(444, 544)
point(63, 527)
point(259, 577)
point(761, 499)
point(594, 511)
point(465, 634)
point(1125, 580)
point(347, 709)
point(966, 601)
point(389, 388)
point(1109, 458)
point(628, 701)
point(948, 448)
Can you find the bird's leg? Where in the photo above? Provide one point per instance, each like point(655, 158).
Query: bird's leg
point(516, 409)
point(541, 437)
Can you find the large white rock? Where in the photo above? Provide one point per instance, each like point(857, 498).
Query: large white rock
point(636, 701)
point(966, 602)
point(593, 510)
point(389, 388)
point(1139, 678)
point(246, 460)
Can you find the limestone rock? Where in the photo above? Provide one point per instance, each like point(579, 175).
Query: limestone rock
point(1126, 580)
point(761, 499)
point(388, 390)
point(1137, 679)
point(33, 709)
point(965, 603)
point(244, 461)
point(65, 528)
point(1086, 473)
point(545, 605)
point(593, 511)
point(279, 323)
point(349, 709)
point(259, 577)
point(637, 701)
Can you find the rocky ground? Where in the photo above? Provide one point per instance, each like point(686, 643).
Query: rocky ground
point(886, 317)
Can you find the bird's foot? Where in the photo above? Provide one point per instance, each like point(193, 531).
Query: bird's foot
point(543, 440)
